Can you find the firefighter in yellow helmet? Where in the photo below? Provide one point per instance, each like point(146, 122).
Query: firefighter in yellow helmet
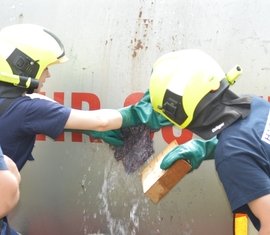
point(185, 83)
point(189, 88)
point(26, 53)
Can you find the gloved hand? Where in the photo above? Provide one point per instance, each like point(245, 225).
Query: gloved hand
point(194, 151)
point(134, 115)
point(113, 137)
point(143, 113)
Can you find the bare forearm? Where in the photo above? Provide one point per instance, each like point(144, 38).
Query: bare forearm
point(98, 120)
point(9, 193)
point(9, 184)
point(13, 168)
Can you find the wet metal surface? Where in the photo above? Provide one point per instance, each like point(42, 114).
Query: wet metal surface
point(77, 187)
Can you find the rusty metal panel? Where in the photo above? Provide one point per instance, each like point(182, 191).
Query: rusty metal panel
point(77, 187)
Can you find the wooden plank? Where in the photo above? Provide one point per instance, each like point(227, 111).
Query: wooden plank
point(157, 182)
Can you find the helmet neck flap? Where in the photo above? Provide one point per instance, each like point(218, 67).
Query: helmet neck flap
point(221, 112)
point(10, 91)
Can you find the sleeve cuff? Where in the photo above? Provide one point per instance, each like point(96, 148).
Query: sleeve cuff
point(3, 165)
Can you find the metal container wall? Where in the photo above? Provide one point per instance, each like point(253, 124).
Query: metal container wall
point(77, 187)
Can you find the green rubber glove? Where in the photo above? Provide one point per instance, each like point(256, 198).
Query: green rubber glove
point(143, 113)
point(113, 137)
point(194, 151)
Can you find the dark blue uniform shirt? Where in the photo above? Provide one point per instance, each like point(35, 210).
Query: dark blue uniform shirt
point(242, 158)
point(25, 118)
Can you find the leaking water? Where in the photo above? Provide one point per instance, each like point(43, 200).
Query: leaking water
point(116, 226)
point(109, 200)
